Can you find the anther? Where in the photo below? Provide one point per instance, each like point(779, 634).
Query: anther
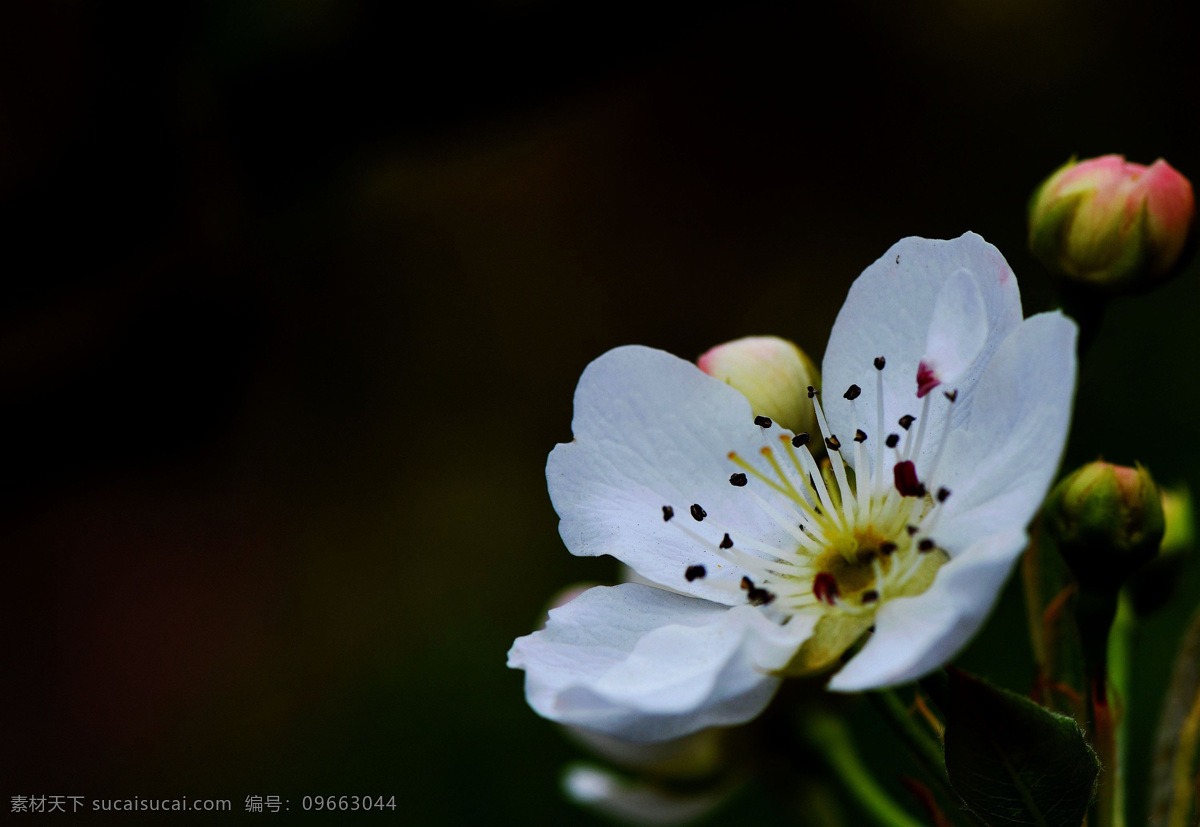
point(905, 476)
point(726, 542)
point(825, 588)
point(860, 435)
point(888, 548)
point(698, 513)
point(906, 421)
point(892, 440)
point(759, 596)
point(912, 530)
point(925, 545)
point(668, 513)
point(880, 362)
point(695, 573)
point(762, 421)
point(811, 391)
point(738, 480)
point(951, 395)
point(942, 494)
point(832, 443)
point(852, 392)
point(870, 596)
point(747, 584)
point(800, 440)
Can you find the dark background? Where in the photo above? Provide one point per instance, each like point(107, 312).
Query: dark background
point(297, 293)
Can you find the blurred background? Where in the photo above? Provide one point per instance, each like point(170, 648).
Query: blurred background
point(299, 290)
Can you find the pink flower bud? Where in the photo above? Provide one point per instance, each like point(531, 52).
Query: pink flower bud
point(772, 373)
point(1116, 226)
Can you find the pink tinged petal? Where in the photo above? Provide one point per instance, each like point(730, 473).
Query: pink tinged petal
point(916, 635)
point(958, 332)
point(638, 802)
point(889, 312)
point(1000, 467)
point(645, 664)
point(1170, 209)
point(652, 430)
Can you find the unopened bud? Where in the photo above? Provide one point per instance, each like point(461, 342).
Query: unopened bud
point(1108, 522)
point(1112, 225)
point(772, 373)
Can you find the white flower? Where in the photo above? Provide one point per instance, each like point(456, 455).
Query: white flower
point(952, 410)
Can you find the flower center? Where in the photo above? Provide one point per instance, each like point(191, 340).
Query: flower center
point(855, 539)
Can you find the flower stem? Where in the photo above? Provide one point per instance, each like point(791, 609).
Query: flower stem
point(920, 742)
point(1096, 612)
point(830, 737)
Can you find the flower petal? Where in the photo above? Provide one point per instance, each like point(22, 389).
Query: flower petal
point(890, 312)
point(652, 430)
point(999, 467)
point(638, 802)
point(646, 664)
point(915, 635)
point(957, 331)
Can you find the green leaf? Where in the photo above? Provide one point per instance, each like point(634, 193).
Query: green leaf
point(1013, 762)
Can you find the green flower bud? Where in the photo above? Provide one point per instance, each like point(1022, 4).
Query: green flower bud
point(1110, 225)
point(1108, 522)
point(772, 373)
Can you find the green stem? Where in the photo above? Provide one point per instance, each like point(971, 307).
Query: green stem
point(1120, 652)
point(923, 745)
point(830, 737)
point(1096, 612)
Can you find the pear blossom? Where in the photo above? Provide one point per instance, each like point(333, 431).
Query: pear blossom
point(944, 418)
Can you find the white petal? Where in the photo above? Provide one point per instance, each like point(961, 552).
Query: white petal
point(958, 329)
point(637, 802)
point(889, 312)
point(916, 635)
point(654, 430)
point(646, 664)
point(1000, 466)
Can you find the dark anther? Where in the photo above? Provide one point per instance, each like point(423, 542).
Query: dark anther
point(952, 395)
point(668, 513)
point(880, 362)
point(893, 440)
point(726, 542)
point(887, 548)
point(906, 421)
point(738, 479)
point(942, 494)
point(905, 475)
point(831, 442)
point(698, 513)
point(759, 597)
point(747, 584)
point(852, 392)
point(800, 439)
point(870, 596)
point(811, 391)
point(825, 588)
point(694, 573)
point(912, 530)
point(762, 421)
point(860, 435)
point(925, 545)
